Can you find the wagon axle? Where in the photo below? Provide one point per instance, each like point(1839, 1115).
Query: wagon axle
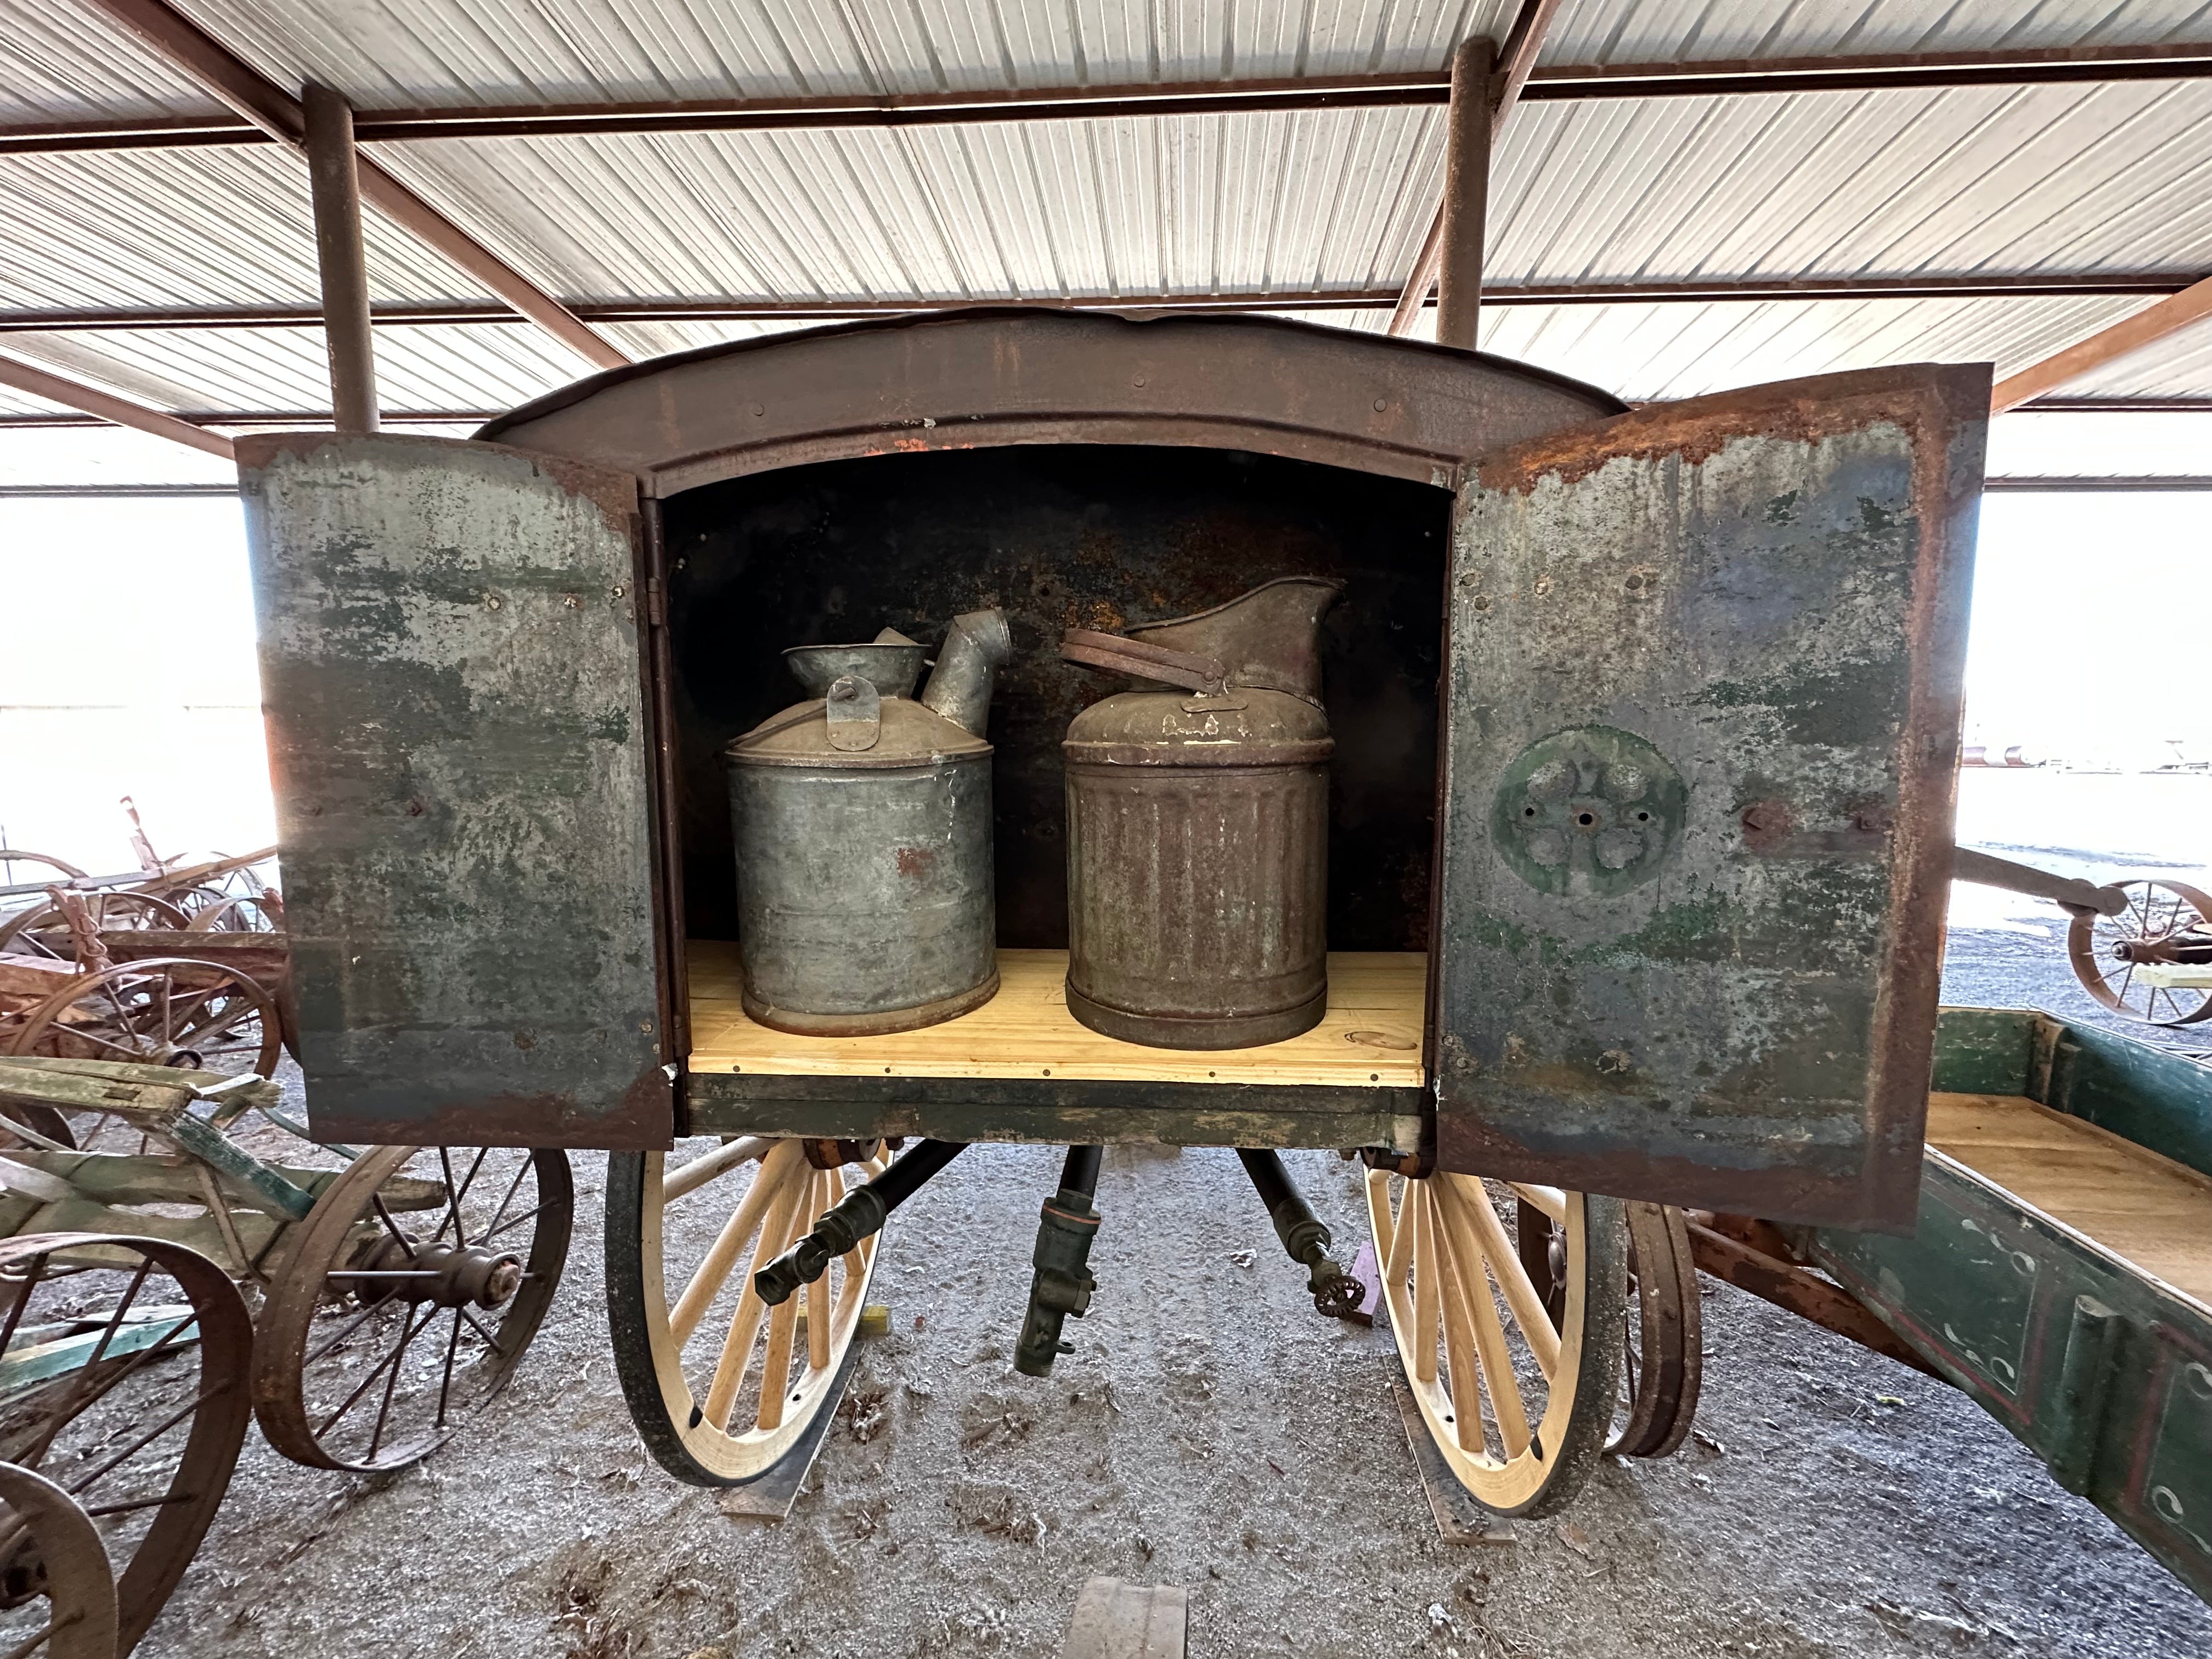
point(445, 1275)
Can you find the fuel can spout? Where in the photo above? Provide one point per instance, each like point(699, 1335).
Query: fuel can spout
point(960, 687)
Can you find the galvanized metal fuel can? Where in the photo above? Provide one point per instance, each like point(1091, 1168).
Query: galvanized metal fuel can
point(862, 819)
point(1198, 826)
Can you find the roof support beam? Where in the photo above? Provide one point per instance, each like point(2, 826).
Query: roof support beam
point(1464, 213)
point(1695, 291)
point(280, 115)
point(342, 260)
point(1559, 82)
point(1515, 61)
point(121, 411)
point(2129, 335)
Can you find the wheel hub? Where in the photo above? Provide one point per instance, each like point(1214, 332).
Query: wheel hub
point(448, 1275)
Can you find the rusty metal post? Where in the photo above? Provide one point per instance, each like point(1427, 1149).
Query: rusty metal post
point(336, 182)
point(1466, 195)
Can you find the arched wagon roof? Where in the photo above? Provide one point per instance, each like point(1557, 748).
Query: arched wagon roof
point(973, 379)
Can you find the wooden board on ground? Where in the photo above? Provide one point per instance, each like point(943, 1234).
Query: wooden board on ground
point(770, 1497)
point(1460, 1519)
point(1116, 1620)
point(2154, 1211)
point(1370, 1035)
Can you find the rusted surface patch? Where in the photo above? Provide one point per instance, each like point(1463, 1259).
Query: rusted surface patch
point(1768, 589)
point(1693, 429)
point(978, 378)
point(459, 744)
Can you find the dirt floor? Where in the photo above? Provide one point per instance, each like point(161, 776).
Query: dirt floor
point(1211, 1431)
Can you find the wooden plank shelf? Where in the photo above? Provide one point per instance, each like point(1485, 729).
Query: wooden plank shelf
point(2146, 1209)
point(1020, 1067)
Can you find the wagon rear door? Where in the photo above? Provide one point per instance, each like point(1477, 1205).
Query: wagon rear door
point(1703, 688)
point(462, 745)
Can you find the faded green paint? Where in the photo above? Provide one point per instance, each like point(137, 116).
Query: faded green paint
point(2105, 1372)
point(1590, 811)
point(1985, 1051)
point(1758, 613)
point(720, 1104)
point(453, 681)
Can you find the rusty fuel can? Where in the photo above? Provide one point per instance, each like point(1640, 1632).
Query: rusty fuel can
point(1198, 826)
point(863, 828)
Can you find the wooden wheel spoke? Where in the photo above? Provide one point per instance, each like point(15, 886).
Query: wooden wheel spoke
point(1400, 1256)
point(1550, 1200)
point(1427, 1278)
point(1504, 1264)
point(689, 1177)
point(783, 1324)
point(736, 1357)
point(713, 1271)
point(1469, 1297)
point(1466, 1373)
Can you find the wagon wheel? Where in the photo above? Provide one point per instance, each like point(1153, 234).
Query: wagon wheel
point(56, 1588)
point(239, 912)
point(720, 1386)
point(1662, 1328)
point(123, 1383)
point(19, 867)
point(164, 1011)
point(43, 930)
point(406, 1299)
point(1520, 1409)
point(2166, 921)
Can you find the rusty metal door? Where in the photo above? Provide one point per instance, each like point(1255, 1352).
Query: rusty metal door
point(461, 741)
point(1702, 699)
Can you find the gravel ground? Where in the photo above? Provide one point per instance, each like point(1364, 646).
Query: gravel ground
point(1211, 1432)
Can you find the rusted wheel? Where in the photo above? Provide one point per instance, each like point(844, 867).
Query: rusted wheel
point(2124, 960)
point(19, 867)
point(406, 1299)
point(122, 1372)
point(719, 1385)
point(43, 930)
point(165, 1011)
point(57, 1591)
point(239, 912)
point(1520, 1408)
point(1663, 1326)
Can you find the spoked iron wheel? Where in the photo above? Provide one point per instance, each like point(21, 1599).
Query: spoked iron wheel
point(1662, 1328)
point(165, 1011)
point(2166, 923)
point(720, 1385)
point(407, 1298)
point(1519, 1407)
point(123, 1382)
point(56, 1588)
point(43, 930)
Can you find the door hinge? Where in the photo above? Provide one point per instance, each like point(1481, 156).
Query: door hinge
point(656, 603)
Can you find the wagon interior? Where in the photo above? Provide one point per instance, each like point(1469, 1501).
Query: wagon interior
point(1058, 535)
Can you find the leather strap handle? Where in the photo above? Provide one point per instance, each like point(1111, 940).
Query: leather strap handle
point(1121, 655)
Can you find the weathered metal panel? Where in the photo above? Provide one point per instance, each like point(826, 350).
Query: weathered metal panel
point(461, 750)
point(1703, 693)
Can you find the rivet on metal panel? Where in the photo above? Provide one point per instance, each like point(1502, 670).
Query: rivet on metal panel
point(1140, 381)
point(492, 601)
point(1382, 404)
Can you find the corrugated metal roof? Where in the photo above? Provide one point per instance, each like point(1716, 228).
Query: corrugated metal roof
point(2071, 178)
